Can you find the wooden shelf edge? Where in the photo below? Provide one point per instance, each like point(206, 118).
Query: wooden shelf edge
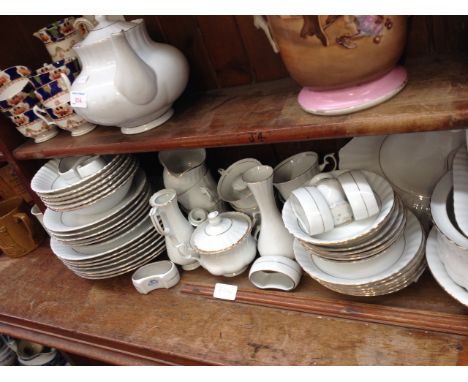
point(436, 98)
point(111, 352)
point(380, 314)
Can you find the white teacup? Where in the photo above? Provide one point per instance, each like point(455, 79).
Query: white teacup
point(296, 170)
point(331, 189)
point(311, 210)
point(363, 203)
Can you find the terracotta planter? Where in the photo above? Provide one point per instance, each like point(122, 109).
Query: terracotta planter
point(330, 52)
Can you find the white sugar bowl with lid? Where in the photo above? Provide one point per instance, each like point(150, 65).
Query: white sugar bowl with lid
point(223, 244)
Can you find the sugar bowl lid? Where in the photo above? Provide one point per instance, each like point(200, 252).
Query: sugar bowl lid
point(103, 29)
point(220, 232)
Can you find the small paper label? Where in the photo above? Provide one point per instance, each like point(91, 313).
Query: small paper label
point(78, 99)
point(225, 291)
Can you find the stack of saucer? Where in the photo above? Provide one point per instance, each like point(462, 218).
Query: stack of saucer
point(373, 256)
point(97, 214)
point(447, 245)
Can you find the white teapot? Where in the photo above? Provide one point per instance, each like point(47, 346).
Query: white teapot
point(127, 79)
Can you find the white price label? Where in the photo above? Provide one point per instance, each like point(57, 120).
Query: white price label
point(225, 291)
point(78, 99)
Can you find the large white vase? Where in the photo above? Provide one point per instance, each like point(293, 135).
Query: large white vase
point(274, 239)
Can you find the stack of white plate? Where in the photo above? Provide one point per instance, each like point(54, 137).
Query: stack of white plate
point(139, 245)
point(378, 255)
point(7, 356)
point(91, 195)
point(447, 245)
point(99, 225)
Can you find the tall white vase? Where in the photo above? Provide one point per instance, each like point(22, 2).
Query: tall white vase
point(176, 229)
point(274, 239)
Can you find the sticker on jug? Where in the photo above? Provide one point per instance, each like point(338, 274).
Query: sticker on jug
point(225, 291)
point(78, 99)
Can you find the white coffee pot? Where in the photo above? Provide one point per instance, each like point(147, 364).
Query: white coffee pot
point(127, 79)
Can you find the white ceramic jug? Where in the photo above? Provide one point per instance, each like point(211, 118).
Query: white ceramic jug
point(274, 239)
point(176, 229)
point(127, 79)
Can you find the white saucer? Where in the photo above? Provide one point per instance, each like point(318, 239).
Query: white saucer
point(440, 273)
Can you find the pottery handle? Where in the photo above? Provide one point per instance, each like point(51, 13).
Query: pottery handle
point(327, 161)
point(83, 25)
point(21, 217)
point(187, 252)
point(154, 216)
point(38, 111)
point(260, 22)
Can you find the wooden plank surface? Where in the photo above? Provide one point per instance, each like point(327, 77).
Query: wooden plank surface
point(108, 320)
point(436, 98)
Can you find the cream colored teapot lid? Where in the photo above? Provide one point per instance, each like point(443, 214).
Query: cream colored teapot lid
point(103, 29)
point(220, 232)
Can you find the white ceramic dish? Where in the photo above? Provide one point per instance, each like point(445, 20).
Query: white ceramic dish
point(108, 187)
point(69, 222)
point(414, 239)
point(440, 273)
point(441, 207)
point(43, 181)
point(455, 260)
point(107, 248)
point(145, 241)
point(275, 272)
point(460, 188)
point(160, 274)
point(362, 268)
point(354, 231)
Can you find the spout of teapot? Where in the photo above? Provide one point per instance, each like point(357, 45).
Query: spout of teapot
point(134, 79)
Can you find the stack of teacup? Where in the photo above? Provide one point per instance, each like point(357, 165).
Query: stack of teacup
point(22, 91)
point(53, 91)
point(17, 100)
point(186, 173)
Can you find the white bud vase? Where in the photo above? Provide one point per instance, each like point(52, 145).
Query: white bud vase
point(176, 229)
point(274, 239)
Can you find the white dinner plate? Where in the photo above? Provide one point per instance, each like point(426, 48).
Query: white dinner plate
point(440, 273)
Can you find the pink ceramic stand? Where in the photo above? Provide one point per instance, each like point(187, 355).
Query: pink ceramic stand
point(355, 98)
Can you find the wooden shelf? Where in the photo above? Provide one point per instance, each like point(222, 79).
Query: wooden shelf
point(436, 98)
point(109, 321)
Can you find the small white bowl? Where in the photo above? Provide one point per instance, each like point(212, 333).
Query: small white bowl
point(160, 274)
point(311, 210)
point(275, 272)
